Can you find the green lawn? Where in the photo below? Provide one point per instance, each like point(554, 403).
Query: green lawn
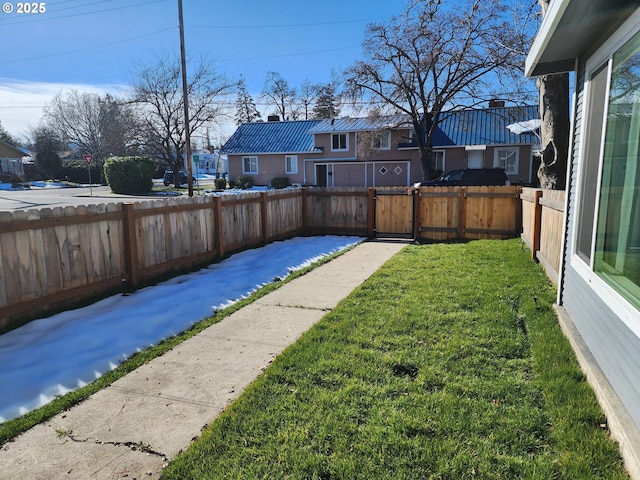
point(448, 363)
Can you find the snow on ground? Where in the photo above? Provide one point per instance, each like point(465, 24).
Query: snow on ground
point(52, 356)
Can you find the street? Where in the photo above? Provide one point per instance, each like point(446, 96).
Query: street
point(12, 200)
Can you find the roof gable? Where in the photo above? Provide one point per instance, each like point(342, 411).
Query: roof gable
point(9, 151)
point(271, 137)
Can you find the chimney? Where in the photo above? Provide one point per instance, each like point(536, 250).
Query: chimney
point(273, 118)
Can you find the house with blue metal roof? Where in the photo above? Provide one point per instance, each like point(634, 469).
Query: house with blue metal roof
point(382, 151)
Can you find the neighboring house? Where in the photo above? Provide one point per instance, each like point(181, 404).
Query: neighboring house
point(482, 138)
point(599, 290)
point(265, 150)
point(11, 160)
point(380, 151)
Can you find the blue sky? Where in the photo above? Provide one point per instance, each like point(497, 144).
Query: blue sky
point(94, 45)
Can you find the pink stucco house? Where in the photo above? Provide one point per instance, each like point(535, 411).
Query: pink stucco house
point(380, 151)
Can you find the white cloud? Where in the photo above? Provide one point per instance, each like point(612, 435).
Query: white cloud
point(22, 102)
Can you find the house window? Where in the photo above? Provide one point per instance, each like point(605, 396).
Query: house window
point(617, 239)
point(250, 165)
point(291, 164)
point(438, 161)
point(594, 121)
point(339, 142)
point(382, 141)
point(507, 159)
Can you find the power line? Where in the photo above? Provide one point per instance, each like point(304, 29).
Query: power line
point(290, 25)
point(45, 18)
point(87, 48)
point(287, 54)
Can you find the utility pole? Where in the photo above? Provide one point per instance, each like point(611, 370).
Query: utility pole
point(185, 100)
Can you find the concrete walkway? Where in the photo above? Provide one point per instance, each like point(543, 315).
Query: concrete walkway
point(134, 427)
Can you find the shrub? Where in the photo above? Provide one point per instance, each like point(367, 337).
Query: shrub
point(280, 182)
point(243, 182)
point(220, 183)
point(78, 172)
point(129, 175)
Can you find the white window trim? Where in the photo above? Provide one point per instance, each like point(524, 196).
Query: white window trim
point(291, 160)
point(346, 142)
point(377, 140)
point(496, 164)
point(620, 306)
point(249, 157)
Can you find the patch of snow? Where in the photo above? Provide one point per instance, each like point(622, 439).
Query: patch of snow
point(52, 356)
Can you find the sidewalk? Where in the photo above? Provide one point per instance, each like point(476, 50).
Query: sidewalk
point(134, 427)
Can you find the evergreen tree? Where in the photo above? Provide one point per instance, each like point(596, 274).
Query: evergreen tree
point(327, 102)
point(246, 111)
point(47, 143)
point(6, 137)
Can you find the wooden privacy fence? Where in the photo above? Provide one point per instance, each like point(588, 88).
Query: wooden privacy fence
point(542, 222)
point(55, 258)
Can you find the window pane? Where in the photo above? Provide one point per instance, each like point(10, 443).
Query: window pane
point(617, 258)
point(591, 159)
point(339, 141)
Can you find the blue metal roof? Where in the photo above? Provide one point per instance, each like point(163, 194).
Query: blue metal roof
point(362, 124)
point(484, 127)
point(271, 137)
point(456, 128)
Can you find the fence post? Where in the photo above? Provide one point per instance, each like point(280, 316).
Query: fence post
point(537, 224)
point(217, 222)
point(416, 213)
point(264, 215)
point(462, 212)
point(371, 212)
point(305, 213)
point(130, 246)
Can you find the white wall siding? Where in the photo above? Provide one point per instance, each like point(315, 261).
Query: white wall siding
point(615, 347)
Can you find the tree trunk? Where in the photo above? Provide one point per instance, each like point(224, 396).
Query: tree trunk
point(554, 130)
point(554, 125)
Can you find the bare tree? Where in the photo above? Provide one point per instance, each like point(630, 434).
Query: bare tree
point(432, 59)
point(554, 125)
point(279, 94)
point(100, 126)
point(76, 118)
point(246, 111)
point(157, 91)
point(307, 96)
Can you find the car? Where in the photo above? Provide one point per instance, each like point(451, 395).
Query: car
point(470, 177)
point(168, 177)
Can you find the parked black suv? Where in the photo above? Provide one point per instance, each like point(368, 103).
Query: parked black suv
point(168, 177)
point(470, 177)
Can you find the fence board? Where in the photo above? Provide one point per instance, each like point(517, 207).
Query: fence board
point(468, 212)
point(62, 256)
point(394, 211)
point(438, 213)
point(542, 227)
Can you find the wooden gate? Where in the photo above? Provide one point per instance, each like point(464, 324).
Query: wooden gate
point(394, 212)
